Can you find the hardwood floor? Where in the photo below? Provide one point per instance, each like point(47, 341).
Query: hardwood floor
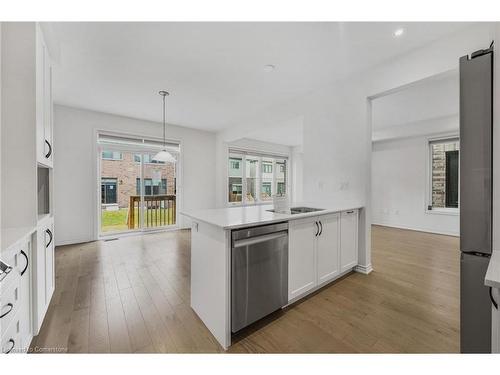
point(132, 295)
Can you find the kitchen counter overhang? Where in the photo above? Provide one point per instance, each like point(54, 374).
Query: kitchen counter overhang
point(246, 216)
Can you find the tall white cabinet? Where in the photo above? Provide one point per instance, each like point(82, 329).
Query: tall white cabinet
point(321, 248)
point(27, 152)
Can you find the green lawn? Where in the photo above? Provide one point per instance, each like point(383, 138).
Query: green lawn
point(115, 221)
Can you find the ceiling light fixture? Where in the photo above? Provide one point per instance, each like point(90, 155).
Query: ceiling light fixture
point(399, 32)
point(164, 155)
point(269, 68)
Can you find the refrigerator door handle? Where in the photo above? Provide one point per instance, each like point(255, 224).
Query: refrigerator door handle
point(495, 304)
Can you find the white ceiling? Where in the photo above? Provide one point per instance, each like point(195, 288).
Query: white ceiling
point(214, 71)
point(433, 98)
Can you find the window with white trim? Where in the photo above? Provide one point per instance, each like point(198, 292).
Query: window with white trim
point(254, 178)
point(444, 157)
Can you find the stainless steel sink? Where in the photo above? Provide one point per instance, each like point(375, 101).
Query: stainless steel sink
point(301, 210)
point(304, 210)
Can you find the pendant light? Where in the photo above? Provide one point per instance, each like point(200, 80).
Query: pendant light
point(164, 155)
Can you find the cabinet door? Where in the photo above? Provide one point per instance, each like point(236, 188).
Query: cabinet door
point(25, 330)
point(49, 262)
point(348, 239)
point(328, 244)
point(44, 271)
point(44, 110)
point(47, 97)
point(40, 77)
point(301, 257)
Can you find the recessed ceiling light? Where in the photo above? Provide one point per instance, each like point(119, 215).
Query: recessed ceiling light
point(269, 68)
point(399, 32)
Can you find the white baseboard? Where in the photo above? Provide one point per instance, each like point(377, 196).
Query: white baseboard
point(363, 269)
point(445, 233)
point(73, 241)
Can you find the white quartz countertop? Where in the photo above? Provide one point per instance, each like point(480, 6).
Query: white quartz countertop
point(9, 236)
point(492, 277)
point(240, 217)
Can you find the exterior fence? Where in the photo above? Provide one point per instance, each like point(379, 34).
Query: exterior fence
point(159, 210)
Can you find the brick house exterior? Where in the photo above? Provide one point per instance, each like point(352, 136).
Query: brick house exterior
point(126, 172)
point(439, 171)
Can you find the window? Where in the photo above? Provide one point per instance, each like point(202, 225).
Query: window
point(111, 155)
point(267, 168)
point(266, 189)
point(444, 174)
point(148, 159)
point(150, 188)
point(255, 178)
point(108, 191)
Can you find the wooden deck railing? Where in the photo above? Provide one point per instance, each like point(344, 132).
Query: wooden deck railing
point(159, 210)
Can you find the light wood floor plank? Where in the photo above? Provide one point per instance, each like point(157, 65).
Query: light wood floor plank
point(132, 295)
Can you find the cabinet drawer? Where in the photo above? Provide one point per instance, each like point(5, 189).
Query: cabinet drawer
point(9, 302)
point(10, 342)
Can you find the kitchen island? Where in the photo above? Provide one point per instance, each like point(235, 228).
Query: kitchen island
point(322, 246)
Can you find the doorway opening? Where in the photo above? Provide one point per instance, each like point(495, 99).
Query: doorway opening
point(415, 209)
point(136, 192)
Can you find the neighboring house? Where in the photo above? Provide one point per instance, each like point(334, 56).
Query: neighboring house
point(120, 177)
point(270, 170)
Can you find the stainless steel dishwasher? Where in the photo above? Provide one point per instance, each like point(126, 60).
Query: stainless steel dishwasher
point(259, 273)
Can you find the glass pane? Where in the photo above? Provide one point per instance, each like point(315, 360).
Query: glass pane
point(159, 193)
point(235, 178)
point(266, 190)
point(281, 172)
point(439, 171)
point(252, 166)
point(119, 174)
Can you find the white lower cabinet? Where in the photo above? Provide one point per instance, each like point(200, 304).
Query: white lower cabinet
point(25, 309)
point(44, 273)
point(495, 321)
point(348, 239)
point(320, 249)
point(328, 244)
point(301, 257)
point(15, 299)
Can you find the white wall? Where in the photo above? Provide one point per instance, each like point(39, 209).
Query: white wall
point(399, 187)
point(75, 167)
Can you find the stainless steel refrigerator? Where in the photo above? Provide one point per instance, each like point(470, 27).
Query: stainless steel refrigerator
point(476, 148)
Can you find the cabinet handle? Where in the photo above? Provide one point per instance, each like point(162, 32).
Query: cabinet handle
point(27, 262)
point(12, 346)
point(321, 231)
point(349, 212)
point(317, 229)
point(50, 235)
point(495, 304)
point(7, 312)
point(50, 149)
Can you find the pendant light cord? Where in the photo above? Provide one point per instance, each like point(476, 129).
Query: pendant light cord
point(164, 123)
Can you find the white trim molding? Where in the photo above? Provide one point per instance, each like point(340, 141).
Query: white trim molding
point(442, 233)
point(363, 269)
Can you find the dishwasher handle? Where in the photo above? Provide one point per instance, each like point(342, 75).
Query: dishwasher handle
point(259, 239)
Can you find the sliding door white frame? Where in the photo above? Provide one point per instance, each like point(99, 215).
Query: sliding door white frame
point(97, 178)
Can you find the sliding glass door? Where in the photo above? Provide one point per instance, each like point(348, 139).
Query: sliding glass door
point(137, 193)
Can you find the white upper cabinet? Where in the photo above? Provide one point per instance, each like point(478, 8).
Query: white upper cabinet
point(348, 239)
point(328, 243)
point(301, 257)
point(44, 104)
